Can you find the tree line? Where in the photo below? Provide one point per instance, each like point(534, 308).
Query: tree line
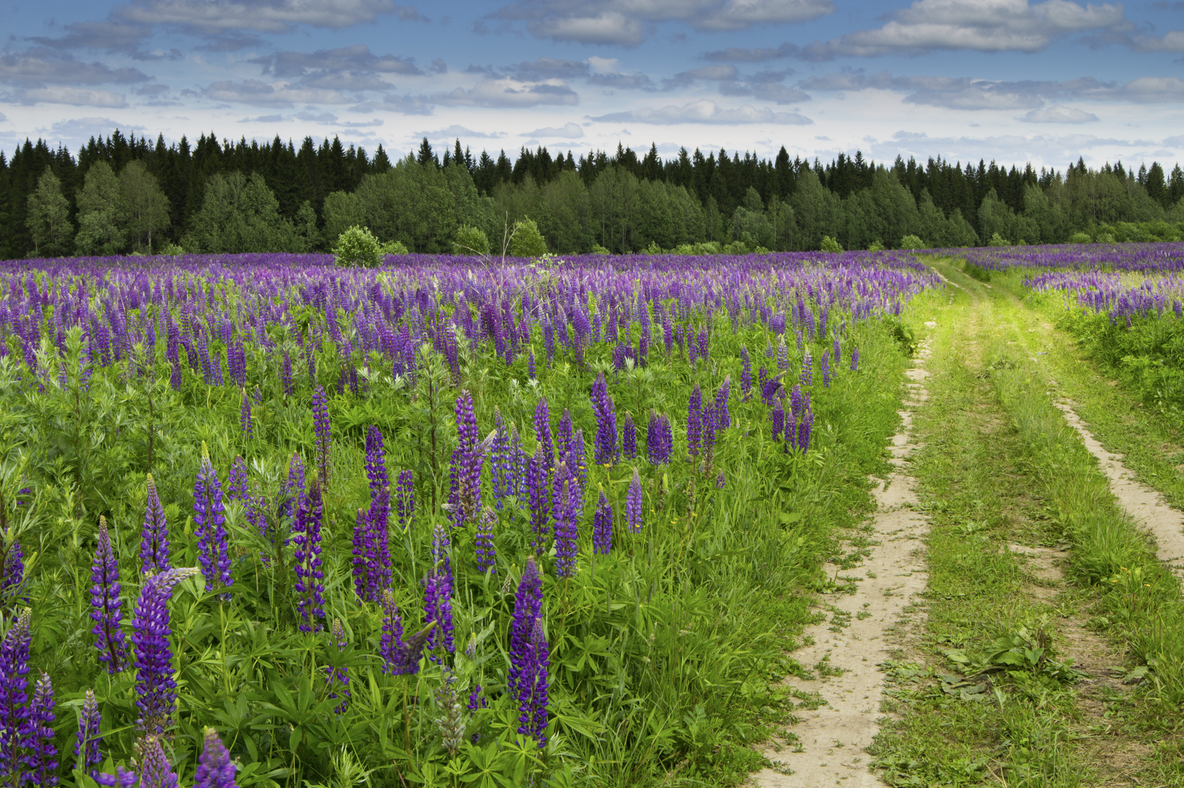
point(126, 194)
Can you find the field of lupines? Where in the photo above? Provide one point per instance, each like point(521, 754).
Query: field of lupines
point(436, 523)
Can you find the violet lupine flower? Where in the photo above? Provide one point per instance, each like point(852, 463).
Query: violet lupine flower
point(306, 535)
point(782, 355)
point(805, 426)
point(530, 367)
point(838, 353)
point(542, 433)
point(14, 707)
point(486, 552)
point(707, 427)
point(106, 611)
point(723, 419)
point(337, 679)
point(628, 437)
point(778, 418)
point(12, 576)
point(405, 499)
point(399, 657)
point(795, 400)
point(720, 480)
point(855, 360)
point(528, 604)
point(502, 457)
point(605, 452)
point(602, 526)
point(236, 482)
point(214, 767)
point(437, 596)
point(89, 738)
point(286, 376)
point(745, 373)
point(533, 686)
point(564, 436)
point(209, 516)
point(565, 514)
point(467, 461)
point(807, 369)
point(320, 423)
point(540, 500)
point(363, 552)
point(659, 443)
point(155, 770)
point(244, 417)
point(42, 759)
point(378, 519)
point(291, 490)
point(694, 422)
point(824, 366)
point(156, 695)
point(633, 504)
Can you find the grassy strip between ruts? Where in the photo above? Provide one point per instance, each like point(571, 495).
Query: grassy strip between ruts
point(1137, 600)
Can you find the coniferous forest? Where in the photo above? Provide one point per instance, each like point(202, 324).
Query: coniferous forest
point(127, 194)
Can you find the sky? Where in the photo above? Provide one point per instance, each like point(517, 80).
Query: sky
point(1009, 80)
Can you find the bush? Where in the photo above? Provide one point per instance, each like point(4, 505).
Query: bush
point(527, 240)
point(876, 246)
point(357, 246)
point(172, 250)
point(830, 245)
point(653, 248)
point(470, 240)
point(1079, 238)
point(913, 242)
point(393, 247)
point(1105, 238)
point(736, 247)
point(598, 249)
point(998, 240)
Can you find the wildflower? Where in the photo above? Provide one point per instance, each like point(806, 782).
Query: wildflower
point(533, 686)
point(437, 602)
point(659, 443)
point(337, 679)
point(542, 433)
point(244, 417)
point(106, 611)
point(467, 461)
point(42, 758)
point(855, 360)
point(451, 721)
point(486, 552)
point(694, 421)
point(156, 696)
point(320, 423)
point(14, 709)
point(633, 504)
point(606, 423)
point(89, 737)
point(214, 767)
point(12, 576)
point(566, 506)
point(306, 535)
point(399, 657)
point(378, 557)
point(528, 601)
point(628, 437)
point(405, 499)
point(236, 482)
point(208, 515)
point(602, 526)
point(155, 770)
point(540, 499)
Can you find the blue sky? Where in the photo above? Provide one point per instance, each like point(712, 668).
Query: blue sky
point(1010, 80)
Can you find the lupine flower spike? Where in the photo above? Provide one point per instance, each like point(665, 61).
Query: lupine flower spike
point(633, 504)
point(14, 708)
point(106, 611)
point(154, 534)
point(43, 755)
point(89, 738)
point(156, 695)
point(210, 519)
point(214, 767)
point(155, 770)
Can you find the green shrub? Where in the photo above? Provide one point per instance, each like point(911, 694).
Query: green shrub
point(357, 246)
point(527, 240)
point(1079, 238)
point(876, 246)
point(736, 247)
point(1104, 238)
point(830, 245)
point(470, 240)
point(913, 242)
point(653, 248)
point(708, 247)
point(393, 247)
point(598, 249)
point(172, 250)
point(998, 240)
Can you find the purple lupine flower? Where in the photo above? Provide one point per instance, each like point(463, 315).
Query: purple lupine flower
point(405, 499)
point(659, 442)
point(337, 679)
point(530, 367)
point(156, 695)
point(855, 360)
point(292, 489)
point(106, 610)
point(707, 422)
point(320, 423)
point(467, 461)
point(824, 367)
point(720, 480)
point(89, 738)
point(745, 373)
point(694, 422)
point(502, 457)
point(723, 419)
point(838, 353)
point(121, 779)
point(528, 603)
point(486, 552)
point(778, 417)
point(602, 526)
point(605, 452)
point(236, 482)
point(542, 433)
point(628, 437)
point(770, 387)
point(244, 417)
point(807, 369)
point(533, 685)
point(805, 426)
point(12, 576)
point(378, 519)
point(782, 355)
point(155, 770)
point(363, 551)
point(540, 500)
point(214, 767)
point(565, 514)
point(398, 658)
point(210, 519)
point(564, 436)
point(306, 535)
point(795, 400)
point(42, 759)
point(633, 504)
point(14, 707)
point(286, 376)
point(437, 598)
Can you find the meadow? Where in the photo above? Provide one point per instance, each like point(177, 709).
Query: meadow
point(437, 523)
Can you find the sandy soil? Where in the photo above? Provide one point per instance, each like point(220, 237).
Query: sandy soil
point(855, 637)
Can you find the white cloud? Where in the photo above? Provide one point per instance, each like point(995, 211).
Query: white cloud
point(1058, 114)
point(705, 111)
point(741, 14)
point(60, 94)
point(603, 65)
point(456, 132)
point(278, 94)
point(606, 28)
point(265, 16)
point(509, 93)
point(39, 66)
point(2, 117)
point(568, 131)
